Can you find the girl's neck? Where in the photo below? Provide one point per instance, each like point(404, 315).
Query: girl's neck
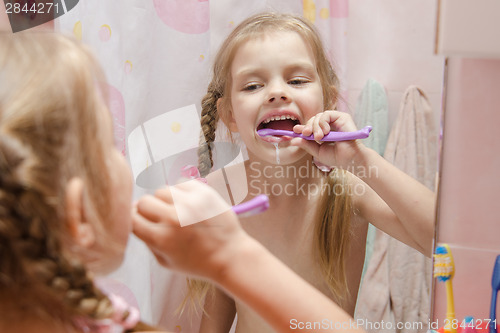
point(296, 181)
point(283, 173)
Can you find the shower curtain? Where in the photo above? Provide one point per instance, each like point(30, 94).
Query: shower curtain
point(156, 55)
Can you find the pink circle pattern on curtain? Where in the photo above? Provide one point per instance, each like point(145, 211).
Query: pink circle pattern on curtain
point(188, 16)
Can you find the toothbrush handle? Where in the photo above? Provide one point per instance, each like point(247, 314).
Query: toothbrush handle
point(493, 316)
point(256, 205)
point(330, 137)
point(344, 136)
point(450, 307)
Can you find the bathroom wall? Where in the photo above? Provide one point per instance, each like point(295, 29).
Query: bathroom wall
point(393, 43)
point(468, 215)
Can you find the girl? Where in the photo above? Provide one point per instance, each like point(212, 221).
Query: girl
point(272, 72)
point(65, 194)
point(65, 191)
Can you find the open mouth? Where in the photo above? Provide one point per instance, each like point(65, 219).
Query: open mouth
point(283, 122)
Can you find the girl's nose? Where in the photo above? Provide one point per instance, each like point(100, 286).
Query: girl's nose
point(282, 97)
point(278, 93)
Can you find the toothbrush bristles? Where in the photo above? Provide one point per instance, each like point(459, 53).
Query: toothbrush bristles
point(444, 266)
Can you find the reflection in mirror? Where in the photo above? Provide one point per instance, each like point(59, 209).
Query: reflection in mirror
point(389, 76)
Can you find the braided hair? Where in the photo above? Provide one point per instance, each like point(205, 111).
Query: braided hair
point(49, 134)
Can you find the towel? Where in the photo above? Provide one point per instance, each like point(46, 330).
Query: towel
point(397, 283)
point(372, 109)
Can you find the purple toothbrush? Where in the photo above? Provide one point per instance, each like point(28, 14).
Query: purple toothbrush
point(330, 137)
point(255, 206)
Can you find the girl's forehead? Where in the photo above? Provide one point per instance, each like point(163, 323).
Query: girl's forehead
point(289, 45)
point(272, 35)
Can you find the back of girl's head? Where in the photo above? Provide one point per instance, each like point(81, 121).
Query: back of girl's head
point(49, 133)
point(251, 28)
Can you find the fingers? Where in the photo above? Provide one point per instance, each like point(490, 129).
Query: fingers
point(155, 209)
point(311, 147)
point(324, 125)
point(150, 217)
point(324, 122)
point(146, 230)
point(154, 236)
point(340, 121)
point(319, 125)
point(154, 218)
point(164, 194)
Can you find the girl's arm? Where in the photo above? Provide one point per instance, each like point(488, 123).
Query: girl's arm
point(408, 208)
point(219, 313)
point(384, 195)
point(395, 203)
point(218, 249)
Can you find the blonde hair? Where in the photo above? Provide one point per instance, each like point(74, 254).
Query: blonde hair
point(49, 133)
point(332, 229)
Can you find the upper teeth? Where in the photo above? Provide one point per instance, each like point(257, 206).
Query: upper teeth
point(283, 117)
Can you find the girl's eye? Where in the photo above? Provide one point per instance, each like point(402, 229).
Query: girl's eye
point(298, 81)
point(251, 87)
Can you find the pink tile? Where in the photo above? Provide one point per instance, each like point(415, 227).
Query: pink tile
point(470, 181)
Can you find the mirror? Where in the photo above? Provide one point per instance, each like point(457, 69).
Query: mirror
point(157, 58)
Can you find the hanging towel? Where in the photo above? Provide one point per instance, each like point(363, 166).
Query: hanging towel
point(372, 109)
point(396, 286)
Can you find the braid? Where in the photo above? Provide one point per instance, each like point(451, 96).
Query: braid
point(198, 289)
point(11, 162)
point(209, 119)
point(31, 254)
point(30, 246)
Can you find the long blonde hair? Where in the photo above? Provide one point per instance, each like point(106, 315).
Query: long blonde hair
point(49, 133)
point(332, 229)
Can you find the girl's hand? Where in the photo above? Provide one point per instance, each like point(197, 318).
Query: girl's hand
point(341, 154)
point(204, 249)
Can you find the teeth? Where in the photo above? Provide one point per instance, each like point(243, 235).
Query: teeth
point(283, 117)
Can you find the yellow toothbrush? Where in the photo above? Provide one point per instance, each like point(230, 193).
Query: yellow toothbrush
point(444, 270)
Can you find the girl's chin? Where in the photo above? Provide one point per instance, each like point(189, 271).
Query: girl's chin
point(281, 154)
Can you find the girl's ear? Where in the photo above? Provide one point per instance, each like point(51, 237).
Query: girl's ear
point(226, 114)
point(80, 230)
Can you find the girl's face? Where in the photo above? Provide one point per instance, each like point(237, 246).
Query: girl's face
point(275, 84)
